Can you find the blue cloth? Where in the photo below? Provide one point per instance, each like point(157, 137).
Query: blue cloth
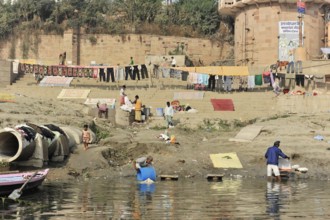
point(272, 155)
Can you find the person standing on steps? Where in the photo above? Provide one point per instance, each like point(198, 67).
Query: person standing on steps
point(168, 114)
point(131, 62)
point(122, 95)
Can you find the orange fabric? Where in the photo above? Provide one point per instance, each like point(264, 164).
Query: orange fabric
point(122, 100)
point(138, 105)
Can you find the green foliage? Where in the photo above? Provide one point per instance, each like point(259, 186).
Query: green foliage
point(93, 40)
point(182, 18)
point(274, 117)
point(224, 125)
point(158, 127)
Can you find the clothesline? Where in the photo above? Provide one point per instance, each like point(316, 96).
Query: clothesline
point(218, 70)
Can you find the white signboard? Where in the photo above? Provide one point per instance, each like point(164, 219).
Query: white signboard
point(288, 32)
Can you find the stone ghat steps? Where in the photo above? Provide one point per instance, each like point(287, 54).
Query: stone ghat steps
point(258, 103)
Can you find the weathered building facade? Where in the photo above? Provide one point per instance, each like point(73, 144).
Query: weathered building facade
point(265, 31)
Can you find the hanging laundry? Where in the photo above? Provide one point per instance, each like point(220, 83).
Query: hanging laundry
point(64, 71)
point(251, 82)
point(165, 72)
point(110, 75)
point(120, 72)
point(176, 74)
point(144, 71)
point(80, 72)
point(102, 74)
point(85, 72)
point(203, 79)
point(22, 67)
point(266, 77)
point(55, 70)
point(136, 73)
point(128, 72)
point(258, 80)
point(300, 80)
point(184, 75)
point(227, 84)
point(15, 67)
point(69, 71)
point(309, 77)
point(41, 69)
point(35, 68)
point(95, 72)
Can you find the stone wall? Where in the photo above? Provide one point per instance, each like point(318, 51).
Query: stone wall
point(115, 49)
point(6, 73)
point(257, 28)
point(256, 32)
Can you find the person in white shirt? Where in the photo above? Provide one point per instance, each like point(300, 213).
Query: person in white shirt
point(122, 95)
point(168, 113)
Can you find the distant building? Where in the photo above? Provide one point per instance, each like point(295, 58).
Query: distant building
point(266, 31)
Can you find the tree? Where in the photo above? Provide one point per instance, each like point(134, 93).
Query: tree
point(202, 16)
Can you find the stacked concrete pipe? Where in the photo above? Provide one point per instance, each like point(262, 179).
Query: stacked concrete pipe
point(15, 148)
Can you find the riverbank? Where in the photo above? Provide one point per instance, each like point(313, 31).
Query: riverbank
point(292, 119)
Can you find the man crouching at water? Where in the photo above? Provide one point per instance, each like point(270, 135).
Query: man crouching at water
point(142, 162)
point(272, 155)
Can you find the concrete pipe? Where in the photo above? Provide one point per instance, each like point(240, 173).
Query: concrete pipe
point(14, 147)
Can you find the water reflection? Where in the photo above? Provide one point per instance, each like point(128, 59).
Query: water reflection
point(278, 193)
point(273, 198)
point(190, 199)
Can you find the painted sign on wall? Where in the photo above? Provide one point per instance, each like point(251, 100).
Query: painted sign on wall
point(288, 34)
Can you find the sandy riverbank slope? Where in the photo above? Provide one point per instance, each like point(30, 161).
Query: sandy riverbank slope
point(292, 119)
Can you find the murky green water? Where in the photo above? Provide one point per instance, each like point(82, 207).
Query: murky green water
point(183, 199)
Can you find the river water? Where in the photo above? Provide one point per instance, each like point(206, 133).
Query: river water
point(183, 199)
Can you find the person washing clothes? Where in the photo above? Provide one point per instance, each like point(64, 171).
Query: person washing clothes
point(272, 155)
point(142, 162)
point(138, 109)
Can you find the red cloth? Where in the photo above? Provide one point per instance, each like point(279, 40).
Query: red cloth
point(223, 104)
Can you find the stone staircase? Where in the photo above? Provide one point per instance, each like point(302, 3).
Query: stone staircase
point(258, 103)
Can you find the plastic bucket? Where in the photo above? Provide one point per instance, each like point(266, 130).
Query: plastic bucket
point(159, 112)
point(145, 173)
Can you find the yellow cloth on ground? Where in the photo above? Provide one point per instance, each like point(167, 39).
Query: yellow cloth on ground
point(226, 160)
point(6, 97)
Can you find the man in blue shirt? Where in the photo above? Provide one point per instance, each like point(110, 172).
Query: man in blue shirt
point(272, 155)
